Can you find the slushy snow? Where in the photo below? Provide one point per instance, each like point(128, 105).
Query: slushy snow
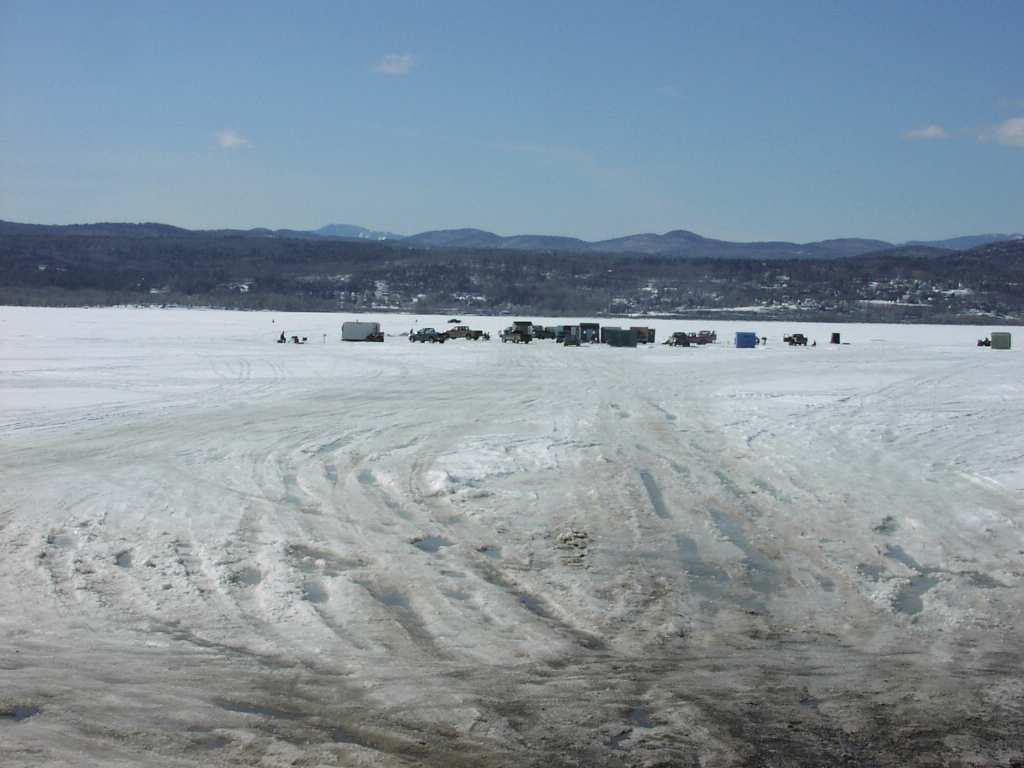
point(216, 549)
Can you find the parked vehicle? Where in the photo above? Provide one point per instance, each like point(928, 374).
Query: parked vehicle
point(515, 335)
point(465, 332)
point(424, 335)
point(679, 339)
point(795, 340)
point(541, 332)
point(359, 331)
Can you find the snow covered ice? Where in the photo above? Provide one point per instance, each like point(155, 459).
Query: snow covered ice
point(218, 550)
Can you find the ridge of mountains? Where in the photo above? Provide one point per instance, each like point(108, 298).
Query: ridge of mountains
point(154, 264)
point(679, 243)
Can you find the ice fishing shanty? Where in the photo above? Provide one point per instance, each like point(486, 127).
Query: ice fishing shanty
point(619, 337)
point(590, 332)
point(360, 331)
point(644, 335)
point(746, 340)
point(1000, 339)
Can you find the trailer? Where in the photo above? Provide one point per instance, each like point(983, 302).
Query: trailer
point(360, 331)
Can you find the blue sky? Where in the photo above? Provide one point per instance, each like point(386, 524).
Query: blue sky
point(793, 121)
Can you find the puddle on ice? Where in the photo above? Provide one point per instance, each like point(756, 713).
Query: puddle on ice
point(214, 742)
point(431, 544)
point(123, 559)
point(531, 604)
point(870, 572)
point(366, 477)
point(18, 713)
point(314, 592)
point(908, 599)
point(654, 494)
point(702, 573)
point(248, 576)
point(896, 552)
point(640, 717)
point(826, 584)
point(393, 599)
point(887, 526)
point(637, 717)
point(491, 551)
point(983, 580)
point(764, 576)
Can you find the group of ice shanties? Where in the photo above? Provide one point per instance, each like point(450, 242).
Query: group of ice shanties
point(525, 331)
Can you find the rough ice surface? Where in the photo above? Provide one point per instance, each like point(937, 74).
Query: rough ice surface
point(218, 550)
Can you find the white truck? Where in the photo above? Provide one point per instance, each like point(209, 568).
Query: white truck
point(358, 331)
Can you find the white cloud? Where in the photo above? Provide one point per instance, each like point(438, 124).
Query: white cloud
point(230, 139)
point(1009, 133)
point(926, 133)
point(395, 64)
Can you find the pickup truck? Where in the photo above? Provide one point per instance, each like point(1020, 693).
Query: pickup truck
point(424, 335)
point(688, 338)
point(465, 332)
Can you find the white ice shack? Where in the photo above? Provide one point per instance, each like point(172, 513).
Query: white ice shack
point(359, 331)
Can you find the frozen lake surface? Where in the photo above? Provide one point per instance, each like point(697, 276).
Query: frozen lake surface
point(218, 550)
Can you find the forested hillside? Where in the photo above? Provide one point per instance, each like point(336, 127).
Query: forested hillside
point(231, 270)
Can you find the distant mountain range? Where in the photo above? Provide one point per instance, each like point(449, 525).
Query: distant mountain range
point(352, 232)
point(967, 242)
point(678, 243)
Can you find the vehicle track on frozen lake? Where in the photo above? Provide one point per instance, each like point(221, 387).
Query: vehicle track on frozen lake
point(511, 555)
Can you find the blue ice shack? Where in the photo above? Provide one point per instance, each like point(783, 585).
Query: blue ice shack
point(746, 340)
